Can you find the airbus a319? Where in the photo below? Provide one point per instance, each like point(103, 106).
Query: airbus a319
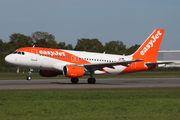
point(75, 64)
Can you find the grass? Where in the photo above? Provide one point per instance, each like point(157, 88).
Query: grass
point(125, 104)
point(161, 74)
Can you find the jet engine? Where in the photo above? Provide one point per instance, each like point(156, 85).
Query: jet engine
point(48, 73)
point(73, 71)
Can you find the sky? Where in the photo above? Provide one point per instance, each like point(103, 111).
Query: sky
point(129, 21)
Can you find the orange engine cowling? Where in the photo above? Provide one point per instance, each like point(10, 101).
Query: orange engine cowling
point(73, 71)
point(48, 73)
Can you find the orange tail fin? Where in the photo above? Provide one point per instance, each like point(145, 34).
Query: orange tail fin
point(149, 49)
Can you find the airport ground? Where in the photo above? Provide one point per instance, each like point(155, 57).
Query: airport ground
point(147, 95)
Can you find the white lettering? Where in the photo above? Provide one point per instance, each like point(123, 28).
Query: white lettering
point(52, 53)
point(56, 53)
point(159, 33)
point(63, 54)
point(148, 46)
point(142, 52)
point(60, 53)
point(41, 52)
point(45, 52)
point(150, 43)
point(154, 38)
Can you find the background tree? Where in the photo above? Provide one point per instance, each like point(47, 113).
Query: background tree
point(115, 47)
point(2, 46)
point(90, 45)
point(62, 45)
point(132, 49)
point(44, 39)
point(18, 40)
point(69, 47)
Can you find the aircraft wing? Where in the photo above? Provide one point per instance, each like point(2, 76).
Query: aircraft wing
point(108, 64)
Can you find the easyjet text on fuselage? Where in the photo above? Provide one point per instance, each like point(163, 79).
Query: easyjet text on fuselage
point(52, 52)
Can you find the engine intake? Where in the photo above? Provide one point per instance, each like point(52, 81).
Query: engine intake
point(73, 71)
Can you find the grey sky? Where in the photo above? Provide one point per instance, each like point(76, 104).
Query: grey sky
point(130, 21)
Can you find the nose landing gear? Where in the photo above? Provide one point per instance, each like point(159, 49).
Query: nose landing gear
point(29, 76)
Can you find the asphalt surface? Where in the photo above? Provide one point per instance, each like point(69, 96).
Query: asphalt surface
point(100, 84)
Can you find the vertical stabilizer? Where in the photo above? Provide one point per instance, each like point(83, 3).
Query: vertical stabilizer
point(149, 49)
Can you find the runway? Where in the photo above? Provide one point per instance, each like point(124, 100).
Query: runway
point(64, 84)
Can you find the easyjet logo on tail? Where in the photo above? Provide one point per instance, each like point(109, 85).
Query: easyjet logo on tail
point(150, 43)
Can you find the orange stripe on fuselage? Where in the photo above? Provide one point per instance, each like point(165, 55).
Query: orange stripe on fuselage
point(54, 53)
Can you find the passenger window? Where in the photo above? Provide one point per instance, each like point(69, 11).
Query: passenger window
point(22, 53)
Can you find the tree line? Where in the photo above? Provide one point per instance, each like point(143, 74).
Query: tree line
point(44, 39)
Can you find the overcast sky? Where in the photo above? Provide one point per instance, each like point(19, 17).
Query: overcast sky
point(130, 21)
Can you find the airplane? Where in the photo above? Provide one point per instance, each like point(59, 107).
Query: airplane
point(74, 64)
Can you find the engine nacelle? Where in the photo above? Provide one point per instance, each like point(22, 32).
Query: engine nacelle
point(48, 73)
point(73, 71)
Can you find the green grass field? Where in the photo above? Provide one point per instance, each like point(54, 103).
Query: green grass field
point(118, 104)
point(111, 104)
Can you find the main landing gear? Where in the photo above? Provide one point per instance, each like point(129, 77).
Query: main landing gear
point(29, 76)
point(90, 80)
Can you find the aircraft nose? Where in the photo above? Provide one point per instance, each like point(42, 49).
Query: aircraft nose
point(8, 59)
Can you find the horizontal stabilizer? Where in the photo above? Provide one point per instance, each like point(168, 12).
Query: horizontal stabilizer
point(158, 63)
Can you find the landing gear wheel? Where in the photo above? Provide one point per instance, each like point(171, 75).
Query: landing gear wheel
point(29, 78)
point(91, 80)
point(74, 80)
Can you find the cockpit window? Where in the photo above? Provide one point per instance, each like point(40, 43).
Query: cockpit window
point(15, 52)
point(18, 52)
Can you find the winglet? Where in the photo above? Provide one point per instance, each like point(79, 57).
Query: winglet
point(149, 49)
